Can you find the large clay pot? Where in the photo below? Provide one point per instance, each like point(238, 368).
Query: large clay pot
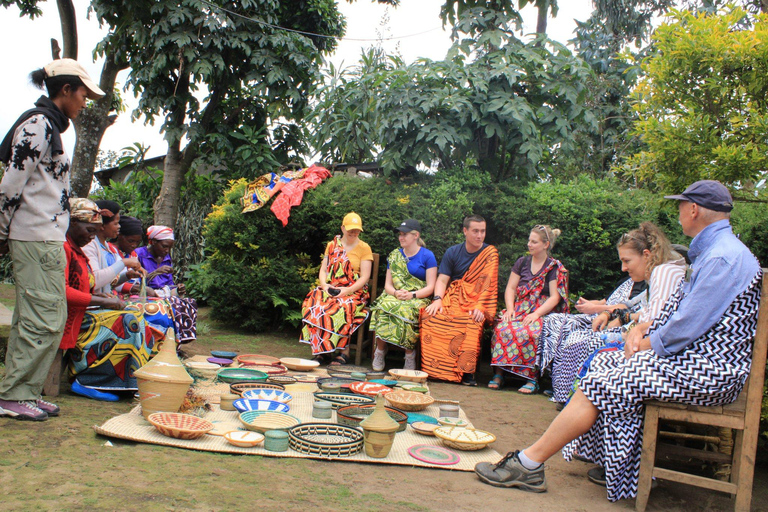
point(163, 381)
point(379, 431)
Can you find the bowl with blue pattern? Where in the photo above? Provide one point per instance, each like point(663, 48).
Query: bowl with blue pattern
point(275, 395)
point(247, 404)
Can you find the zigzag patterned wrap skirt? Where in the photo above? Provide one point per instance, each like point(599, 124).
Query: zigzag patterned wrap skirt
point(710, 371)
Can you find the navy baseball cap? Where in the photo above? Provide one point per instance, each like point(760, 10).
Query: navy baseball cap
point(709, 194)
point(409, 225)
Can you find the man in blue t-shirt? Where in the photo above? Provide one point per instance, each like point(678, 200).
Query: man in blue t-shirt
point(455, 265)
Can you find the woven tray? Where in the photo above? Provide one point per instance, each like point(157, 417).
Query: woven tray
point(261, 421)
point(352, 415)
point(239, 387)
point(180, 426)
point(269, 369)
point(408, 400)
point(326, 439)
point(340, 399)
point(252, 359)
point(467, 439)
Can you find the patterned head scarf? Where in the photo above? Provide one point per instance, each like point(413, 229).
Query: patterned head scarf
point(85, 210)
point(160, 233)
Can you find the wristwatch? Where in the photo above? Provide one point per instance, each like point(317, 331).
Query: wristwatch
point(436, 297)
point(414, 295)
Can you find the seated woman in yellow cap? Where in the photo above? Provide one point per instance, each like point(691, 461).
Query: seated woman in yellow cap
point(334, 310)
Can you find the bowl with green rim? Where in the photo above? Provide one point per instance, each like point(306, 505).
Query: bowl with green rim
point(231, 375)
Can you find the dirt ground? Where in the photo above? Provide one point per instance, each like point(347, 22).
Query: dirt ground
point(61, 464)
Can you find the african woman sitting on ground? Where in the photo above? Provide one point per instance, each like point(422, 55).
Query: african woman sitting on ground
point(155, 259)
point(538, 284)
point(411, 277)
point(105, 344)
point(334, 310)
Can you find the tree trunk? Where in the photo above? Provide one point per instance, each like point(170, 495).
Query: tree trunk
point(90, 126)
point(763, 5)
point(541, 21)
point(68, 28)
point(178, 162)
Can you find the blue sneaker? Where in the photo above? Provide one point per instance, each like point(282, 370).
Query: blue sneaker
point(79, 389)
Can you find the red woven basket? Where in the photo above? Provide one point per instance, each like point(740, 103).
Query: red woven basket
point(180, 426)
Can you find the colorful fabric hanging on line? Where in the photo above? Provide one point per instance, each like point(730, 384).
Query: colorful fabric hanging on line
point(293, 192)
point(262, 189)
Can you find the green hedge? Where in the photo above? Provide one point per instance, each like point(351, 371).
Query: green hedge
point(257, 272)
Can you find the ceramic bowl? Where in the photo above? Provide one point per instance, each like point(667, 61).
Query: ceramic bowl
point(451, 422)
point(226, 354)
point(268, 394)
point(299, 365)
point(244, 404)
point(244, 439)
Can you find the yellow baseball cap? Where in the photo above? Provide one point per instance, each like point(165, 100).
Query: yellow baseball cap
point(352, 221)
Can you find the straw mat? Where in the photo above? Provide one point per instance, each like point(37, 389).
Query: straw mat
point(132, 426)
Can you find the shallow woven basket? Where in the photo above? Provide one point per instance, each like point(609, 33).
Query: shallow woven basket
point(180, 426)
point(341, 399)
point(251, 359)
point(409, 375)
point(239, 387)
point(409, 401)
point(326, 439)
point(467, 439)
point(352, 415)
point(261, 421)
point(202, 370)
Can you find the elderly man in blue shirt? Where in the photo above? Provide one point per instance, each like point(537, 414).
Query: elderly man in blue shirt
point(697, 351)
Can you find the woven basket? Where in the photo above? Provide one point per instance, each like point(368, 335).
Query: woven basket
point(352, 415)
point(232, 375)
point(180, 426)
point(281, 379)
point(341, 399)
point(261, 421)
point(409, 401)
point(268, 394)
point(409, 375)
point(238, 387)
point(269, 369)
point(326, 439)
point(202, 370)
point(299, 365)
point(467, 439)
point(251, 359)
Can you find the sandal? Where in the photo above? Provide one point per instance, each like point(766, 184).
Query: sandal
point(530, 388)
point(340, 360)
point(497, 382)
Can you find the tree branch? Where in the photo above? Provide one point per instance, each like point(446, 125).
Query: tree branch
point(68, 28)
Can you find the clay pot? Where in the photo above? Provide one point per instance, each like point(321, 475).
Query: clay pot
point(379, 431)
point(163, 381)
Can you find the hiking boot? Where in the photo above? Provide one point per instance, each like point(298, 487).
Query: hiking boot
point(379, 360)
point(509, 472)
point(22, 410)
point(410, 361)
point(49, 408)
point(596, 475)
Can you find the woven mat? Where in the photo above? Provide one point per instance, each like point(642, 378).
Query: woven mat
point(132, 426)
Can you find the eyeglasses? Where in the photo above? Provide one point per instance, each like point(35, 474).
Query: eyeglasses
point(543, 229)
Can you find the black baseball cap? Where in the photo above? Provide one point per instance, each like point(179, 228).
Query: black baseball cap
point(409, 225)
point(709, 194)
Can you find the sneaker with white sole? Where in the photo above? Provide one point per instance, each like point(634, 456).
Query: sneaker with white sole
point(410, 361)
point(510, 472)
point(22, 410)
point(49, 408)
point(379, 360)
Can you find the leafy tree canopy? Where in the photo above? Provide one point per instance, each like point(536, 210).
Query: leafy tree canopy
point(703, 103)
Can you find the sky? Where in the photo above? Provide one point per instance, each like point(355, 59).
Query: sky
point(415, 24)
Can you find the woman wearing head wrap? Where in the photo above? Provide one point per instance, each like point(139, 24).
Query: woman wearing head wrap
point(105, 343)
point(155, 258)
point(33, 222)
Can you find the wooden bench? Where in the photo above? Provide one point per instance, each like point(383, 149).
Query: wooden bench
point(363, 340)
point(743, 415)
